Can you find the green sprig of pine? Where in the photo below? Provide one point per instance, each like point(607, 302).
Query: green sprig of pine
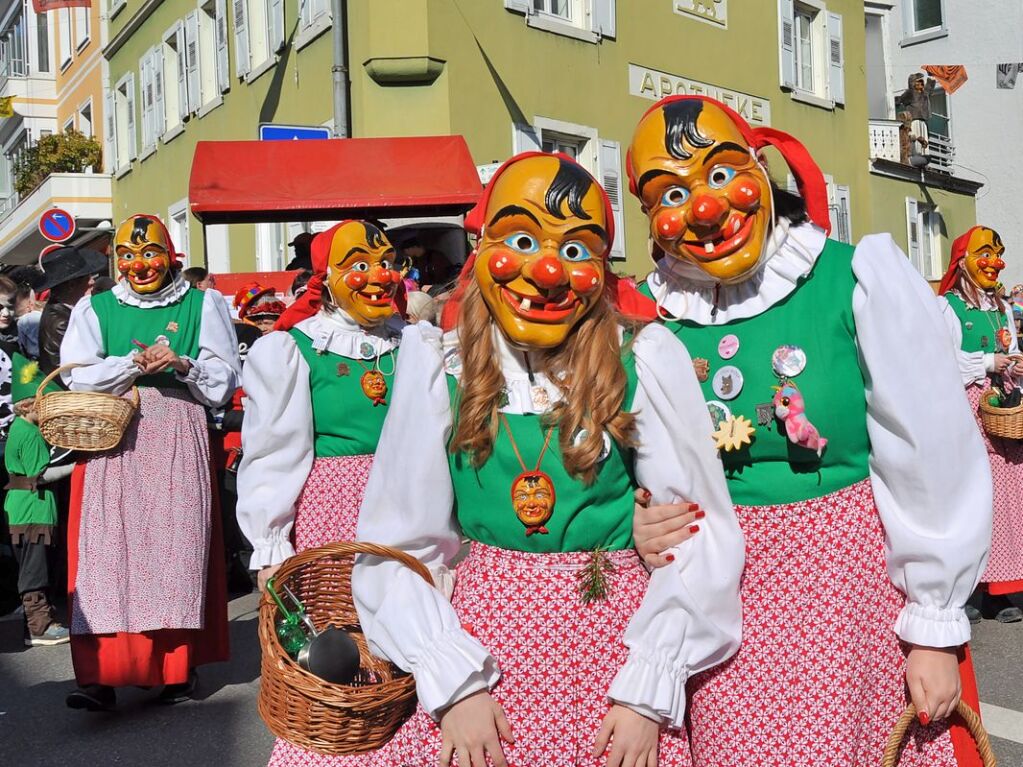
point(593, 578)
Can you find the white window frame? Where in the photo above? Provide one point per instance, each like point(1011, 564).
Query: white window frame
point(827, 50)
point(81, 118)
point(124, 92)
point(911, 35)
point(146, 90)
point(69, 124)
point(83, 30)
point(175, 111)
point(587, 20)
point(271, 247)
point(209, 82)
point(179, 230)
point(883, 15)
point(314, 19)
point(921, 218)
point(261, 34)
point(66, 47)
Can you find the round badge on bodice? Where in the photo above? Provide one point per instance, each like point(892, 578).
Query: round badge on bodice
point(727, 382)
point(728, 346)
point(788, 361)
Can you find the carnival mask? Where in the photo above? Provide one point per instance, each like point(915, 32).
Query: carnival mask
point(540, 263)
point(360, 273)
point(533, 498)
point(707, 197)
point(144, 253)
point(984, 258)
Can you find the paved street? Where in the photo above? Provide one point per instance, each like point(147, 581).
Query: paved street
point(223, 729)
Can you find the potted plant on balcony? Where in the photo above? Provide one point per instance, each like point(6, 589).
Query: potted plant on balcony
point(70, 152)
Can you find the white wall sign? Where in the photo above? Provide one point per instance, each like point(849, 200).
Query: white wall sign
point(711, 11)
point(655, 85)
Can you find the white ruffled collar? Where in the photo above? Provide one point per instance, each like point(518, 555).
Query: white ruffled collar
point(987, 302)
point(334, 331)
point(171, 294)
point(683, 291)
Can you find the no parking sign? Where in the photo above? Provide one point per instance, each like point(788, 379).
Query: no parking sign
point(57, 225)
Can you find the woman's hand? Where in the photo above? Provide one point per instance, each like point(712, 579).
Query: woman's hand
point(265, 575)
point(158, 358)
point(932, 675)
point(656, 529)
point(635, 738)
point(473, 728)
point(1002, 363)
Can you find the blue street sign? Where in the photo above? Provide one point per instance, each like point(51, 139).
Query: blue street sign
point(57, 225)
point(270, 132)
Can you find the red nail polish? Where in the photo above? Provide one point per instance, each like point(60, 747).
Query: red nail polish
point(924, 717)
point(647, 495)
point(701, 514)
point(670, 557)
point(694, 528)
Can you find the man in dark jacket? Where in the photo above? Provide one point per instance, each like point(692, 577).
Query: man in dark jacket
point(67, 274)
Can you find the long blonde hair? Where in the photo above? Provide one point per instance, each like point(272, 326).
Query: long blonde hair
point(587, 369)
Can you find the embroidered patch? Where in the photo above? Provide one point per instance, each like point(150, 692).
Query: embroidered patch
point(172, 327)
point(343, 369)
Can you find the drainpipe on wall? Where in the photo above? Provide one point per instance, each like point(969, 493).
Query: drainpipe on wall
point(339, 10)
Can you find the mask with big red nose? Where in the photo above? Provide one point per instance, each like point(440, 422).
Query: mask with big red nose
point(983, 260)
point(540, 262)
point(145, 253)
point(360, 273)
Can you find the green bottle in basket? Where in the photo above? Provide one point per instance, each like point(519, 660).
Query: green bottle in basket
point(290, 632)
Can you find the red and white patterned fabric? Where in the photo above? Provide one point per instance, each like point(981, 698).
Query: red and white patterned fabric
point(327, 511)
point(1006, 456)
point(819, 677)
point(147, 502)
point(557, 656)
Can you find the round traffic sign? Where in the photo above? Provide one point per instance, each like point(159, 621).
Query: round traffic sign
point(46, 251)
point(57, 225)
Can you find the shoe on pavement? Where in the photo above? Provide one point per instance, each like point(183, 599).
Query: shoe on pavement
point(92, 697)
point(973, 614)
point(179, 693)
point(55, 634)
point(1009, 615)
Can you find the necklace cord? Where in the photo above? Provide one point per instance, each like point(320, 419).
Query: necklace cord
point(515, 447)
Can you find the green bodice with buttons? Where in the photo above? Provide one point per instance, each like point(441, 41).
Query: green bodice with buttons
point(120, 325)
point(345, 420)
point(585, 517)
point(980, 328)
point(817, 317)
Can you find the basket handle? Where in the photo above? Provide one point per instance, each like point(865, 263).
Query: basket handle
point(72, 366)
point(347, 548)
point(970, 718)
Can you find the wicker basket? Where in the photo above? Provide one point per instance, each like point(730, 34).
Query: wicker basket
point(79, 420)
point(970, 718)
point(303, 709)
point(1005, 422)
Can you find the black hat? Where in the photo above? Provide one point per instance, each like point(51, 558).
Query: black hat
point(68, 263)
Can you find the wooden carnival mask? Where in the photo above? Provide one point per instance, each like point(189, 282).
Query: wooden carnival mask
point(360, 273)
point(145, 254)
point(540, 262)
point(983, 260)
point(533, 499)
point(706, 195)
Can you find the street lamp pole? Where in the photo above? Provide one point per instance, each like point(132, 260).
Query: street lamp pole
point(339, 70)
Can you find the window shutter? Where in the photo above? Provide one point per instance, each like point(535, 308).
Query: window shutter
point(223, 73)
point(179, 43)
point(147, 100)
point(913, 233)
point(519, 6)
point(843, 200)
point(110, 139)
point(525, 138)
point(787, 42)
point(604, 17)
point(610, 165)
point(276, 25)
point(241, 39)
point(192, 61)
point(836, 59)
point(156, 72)
point(132, 140)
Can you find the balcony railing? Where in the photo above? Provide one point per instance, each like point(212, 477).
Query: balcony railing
point(941, 153)
point(884, 140)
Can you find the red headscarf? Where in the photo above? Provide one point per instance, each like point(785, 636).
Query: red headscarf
point(311, 300)
point(958, 254)
point(812, 186)
point(622, 292)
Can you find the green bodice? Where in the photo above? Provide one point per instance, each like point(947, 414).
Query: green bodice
point(28, 455)
point(345, 420)
point(584, 518)
point(122, 324)
point(817, 317)
point(980, 327)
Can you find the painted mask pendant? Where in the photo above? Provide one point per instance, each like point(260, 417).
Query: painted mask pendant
point(533, 498)
point(1004, 337)
point(374, 386)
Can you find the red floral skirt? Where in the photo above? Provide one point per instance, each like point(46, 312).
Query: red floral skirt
point(819, 677)
point(327, 511)
point(557, 656)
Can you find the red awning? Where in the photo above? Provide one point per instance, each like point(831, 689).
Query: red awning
point(258, 181)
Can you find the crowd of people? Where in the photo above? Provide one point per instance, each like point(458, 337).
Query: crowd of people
point(661, 588)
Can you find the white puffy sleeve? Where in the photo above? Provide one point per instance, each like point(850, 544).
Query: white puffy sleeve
point(215, 373)
point(277, 446)
point(409, 505)
point(928, 465)
point(691, 617)
point(83, 344)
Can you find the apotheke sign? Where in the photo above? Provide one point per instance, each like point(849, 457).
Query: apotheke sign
point(654, 85)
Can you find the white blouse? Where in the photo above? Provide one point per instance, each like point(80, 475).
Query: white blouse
point(975, 366)
point(928, 465)
point(690, 618)
point(212, 378)
point(277, 431)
